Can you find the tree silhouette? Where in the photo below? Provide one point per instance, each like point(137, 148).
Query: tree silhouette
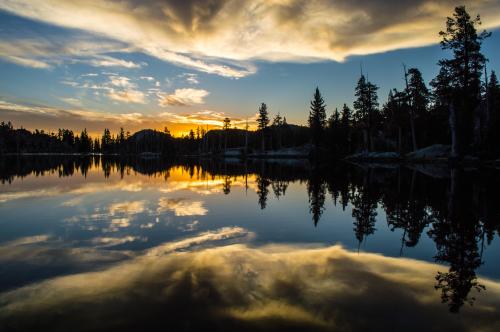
point(418, 98)
point(464, 72)
point(226, 186)
point(262, 191)
point(316, 189)
point(366, 107)
point(279, 188)
point(456, 236)
point(493, 107)
point(345, 126)
point(226, 125)
point(364, 210)
point(262, 122)
point(317, 117)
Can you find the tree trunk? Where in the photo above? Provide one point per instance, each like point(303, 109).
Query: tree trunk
point(365, 139)
point(225, 143)
point(279, 138)
point(400, 133)
point(372, 144)
point(263, 142)
point(349, 139)
point(413, 134)
point(453, 129)
point(246, 142)
point(477, 127)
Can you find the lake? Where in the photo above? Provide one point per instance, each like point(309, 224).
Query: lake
point(109, 243)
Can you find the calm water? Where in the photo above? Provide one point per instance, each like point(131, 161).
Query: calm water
point(107, 243)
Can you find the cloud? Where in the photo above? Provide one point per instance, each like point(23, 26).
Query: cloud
point(127, 208)
point(27, 194)
point(80, 191)
point(190, 78)
point(224, 37)
point(127, 96)
point(45, 52)
point(27, 240)
point(25, 62)
point(107, 61)
point(38, 116)
point(104, 242)
point(182, 97)
point(181, 207)
point(71, 101)
point(209, 186)
point(238, 287)
point(118, 88)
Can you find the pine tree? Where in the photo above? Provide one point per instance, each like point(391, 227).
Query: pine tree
point(106, 141)
point(262, 122)
point(464, 71)
point(418, 99)
point(345, 124)
point(277, 121)
point(226, 125)
point(97, 146)
point(366, 107)
point(395, 115)
point(85, 142)
point(277, 124)
point(317, 118)
point(333, 130)
point(493, 101)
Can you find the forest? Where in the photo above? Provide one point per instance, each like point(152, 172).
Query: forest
point(458, 109)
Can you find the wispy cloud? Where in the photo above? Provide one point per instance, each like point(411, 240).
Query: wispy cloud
point(183, 97)
point(104, 242)
point(33, 63)
point(72, 101)
point(127, 96)
point(37, 116)
point(127, 208)
point(190, 78)
point(224, 37)
point(107, 61)
point(117, 88)
point(49, 51)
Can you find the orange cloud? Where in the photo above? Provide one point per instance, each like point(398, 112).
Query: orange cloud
point(50, 119)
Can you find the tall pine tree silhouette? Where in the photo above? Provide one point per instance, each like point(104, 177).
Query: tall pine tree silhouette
point(317, 118)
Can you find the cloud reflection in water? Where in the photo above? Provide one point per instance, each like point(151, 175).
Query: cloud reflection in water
point(247, 288)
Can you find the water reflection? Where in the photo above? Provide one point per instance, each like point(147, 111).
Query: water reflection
point(456, 209)
point(245, 288)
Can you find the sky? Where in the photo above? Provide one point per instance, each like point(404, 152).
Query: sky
point(180, 64)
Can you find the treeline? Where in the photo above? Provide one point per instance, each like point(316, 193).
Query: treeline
point(278, 135)
point(66, 141)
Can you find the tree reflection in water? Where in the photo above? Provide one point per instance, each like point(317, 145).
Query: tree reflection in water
point(458, 208)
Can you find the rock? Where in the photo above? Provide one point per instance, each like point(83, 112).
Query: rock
point(433, 152)
point(374, 156)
